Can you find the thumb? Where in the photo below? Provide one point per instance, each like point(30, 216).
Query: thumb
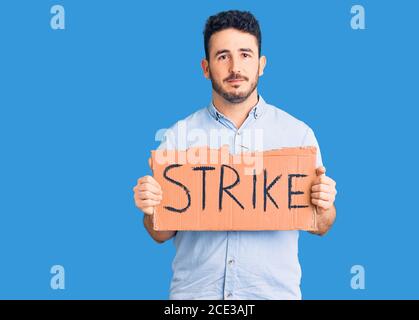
point(320, 170)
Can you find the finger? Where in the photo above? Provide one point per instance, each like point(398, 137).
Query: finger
point(149, 210)
point(321, 188)
point(327, 180)
point(321, 203)
point(322, 196)
point(149, 187)
point(148, 203)
point(325, 188)
point(149, 179)
point(321, 170)
point(324, 180)
point(141, 196)
point(146, 209)
point(144, 195)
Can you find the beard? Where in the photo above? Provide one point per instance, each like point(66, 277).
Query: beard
point(238, 97)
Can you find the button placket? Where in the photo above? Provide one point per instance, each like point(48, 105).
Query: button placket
point(237, 142)
point(229, 272)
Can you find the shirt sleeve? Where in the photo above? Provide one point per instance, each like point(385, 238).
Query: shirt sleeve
point(310, 140)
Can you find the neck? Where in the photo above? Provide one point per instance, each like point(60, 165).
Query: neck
point(236, 112)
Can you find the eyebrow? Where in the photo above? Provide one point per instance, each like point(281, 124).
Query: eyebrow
point(227, 51)
point(246, 50)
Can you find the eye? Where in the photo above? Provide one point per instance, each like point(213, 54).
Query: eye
point(222, 57)
point(246, 55)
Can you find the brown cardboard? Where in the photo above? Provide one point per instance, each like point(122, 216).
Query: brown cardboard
point(254, 215)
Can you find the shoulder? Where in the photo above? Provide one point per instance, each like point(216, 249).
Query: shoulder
point(283, 118)
point(192, 120)
point(287, 124)
point(170, 137)
point(290, 130)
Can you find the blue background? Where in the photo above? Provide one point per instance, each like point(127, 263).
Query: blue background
point(79, 109)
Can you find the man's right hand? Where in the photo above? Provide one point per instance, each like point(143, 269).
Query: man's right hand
point(147, 194)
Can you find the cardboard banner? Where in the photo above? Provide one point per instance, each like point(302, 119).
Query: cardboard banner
point(210, 189)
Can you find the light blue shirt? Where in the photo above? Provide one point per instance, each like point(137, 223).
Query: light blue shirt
point(238, 264)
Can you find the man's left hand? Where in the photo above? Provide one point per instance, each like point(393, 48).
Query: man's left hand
point(323, 191)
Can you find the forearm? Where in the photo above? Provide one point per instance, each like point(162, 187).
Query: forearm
point(325, 220)
point(158, 236)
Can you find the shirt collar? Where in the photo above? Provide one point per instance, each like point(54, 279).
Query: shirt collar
point(256, 111)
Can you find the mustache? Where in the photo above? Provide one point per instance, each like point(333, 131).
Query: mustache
point(235, 76)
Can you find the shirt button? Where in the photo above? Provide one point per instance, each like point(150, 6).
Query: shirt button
point(229, 295)
point(238, 133)
point(230, 262)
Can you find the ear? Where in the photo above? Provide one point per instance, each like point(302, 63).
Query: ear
point(205, 67)
point(262, 65)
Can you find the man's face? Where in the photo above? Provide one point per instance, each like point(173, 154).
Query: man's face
point(234, 65)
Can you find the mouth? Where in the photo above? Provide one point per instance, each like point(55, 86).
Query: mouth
point(234, 81)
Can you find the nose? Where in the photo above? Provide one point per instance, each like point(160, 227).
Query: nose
point(234, 65)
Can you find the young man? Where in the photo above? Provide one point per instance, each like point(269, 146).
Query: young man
point(238, 264)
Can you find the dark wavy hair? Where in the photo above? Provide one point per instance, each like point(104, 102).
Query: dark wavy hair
point(240, 20)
